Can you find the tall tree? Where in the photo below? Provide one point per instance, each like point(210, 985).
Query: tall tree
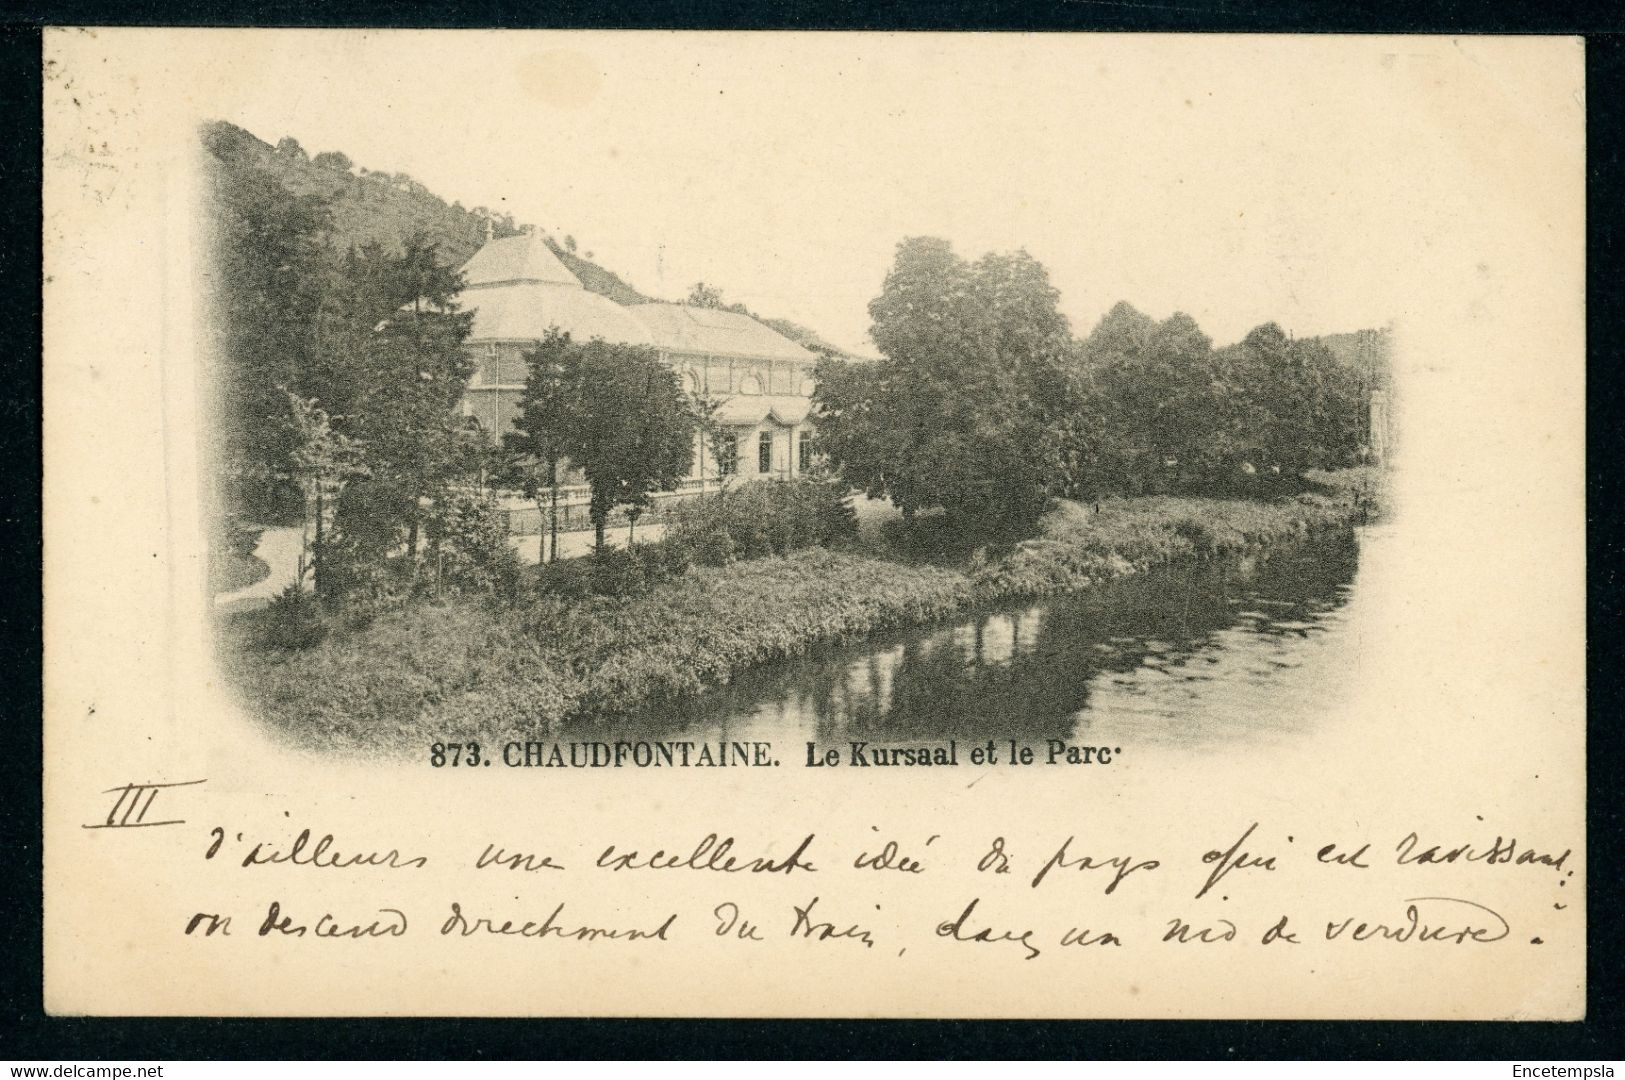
point(265, 282)
point(322, 463)
point(547, 407)
point(1301, 408)
point(960, 410)
point(393, 369)
point(1167, 394)
point(614, 411)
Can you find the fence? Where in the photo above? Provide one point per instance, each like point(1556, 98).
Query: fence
point(525, 518)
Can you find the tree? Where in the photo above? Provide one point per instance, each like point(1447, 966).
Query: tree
point(963, 410)
point(715, 437)
point(392, 368)
point(546, 408)
point(322, 462)
point(616, 412)
point(366, 347)
point(1300, 408)
point(288, 146)
point(264, 282)
point(1167, 396)
point(334, 159)
point(705, 296)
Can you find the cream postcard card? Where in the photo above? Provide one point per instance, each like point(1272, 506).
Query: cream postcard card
point(813, 525)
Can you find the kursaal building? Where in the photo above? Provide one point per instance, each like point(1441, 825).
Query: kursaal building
point(518, 290)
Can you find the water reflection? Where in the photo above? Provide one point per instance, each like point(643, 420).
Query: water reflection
point(1176, 655)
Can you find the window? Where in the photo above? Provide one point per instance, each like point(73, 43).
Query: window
point(804, 452)
point(750, 385)
point(727, 454)
point(485, 361)
point(764, 452)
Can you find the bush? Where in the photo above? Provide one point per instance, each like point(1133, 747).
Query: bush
point(369, 523)
point(612, 572)
point(620, 572)
point(487, 671)
point(468, 536)
point(761, 519)
point(292, 620)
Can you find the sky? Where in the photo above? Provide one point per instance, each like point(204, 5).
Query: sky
point(1239, 180)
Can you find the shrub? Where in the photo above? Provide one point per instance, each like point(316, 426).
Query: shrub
point(292, 620)
point(486, 670)
point(620, 572)
point(369, 523)
point(761, 519)
point(468, 538)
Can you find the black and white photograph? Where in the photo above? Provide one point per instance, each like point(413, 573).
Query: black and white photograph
point(470, 482)
point(789, 524)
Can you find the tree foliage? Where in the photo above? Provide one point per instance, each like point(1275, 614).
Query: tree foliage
point(983, 402)
point(312, 348)
point(960, 411)
point(334, 159)
point(615, 411)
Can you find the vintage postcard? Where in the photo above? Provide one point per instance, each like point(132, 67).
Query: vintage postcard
point(814, 525)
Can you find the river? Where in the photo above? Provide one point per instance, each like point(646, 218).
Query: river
point(1250, 648)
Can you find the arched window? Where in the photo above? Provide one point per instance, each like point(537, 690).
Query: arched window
point(691, 383)
point(808, 385)
point(750, 385)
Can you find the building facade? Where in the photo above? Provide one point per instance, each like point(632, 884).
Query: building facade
point(761, 381)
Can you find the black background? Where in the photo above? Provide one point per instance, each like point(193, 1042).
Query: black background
point(27, 1034)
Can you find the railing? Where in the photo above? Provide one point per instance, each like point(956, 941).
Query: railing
point(526, 518)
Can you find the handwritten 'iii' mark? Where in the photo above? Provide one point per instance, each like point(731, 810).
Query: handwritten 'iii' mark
point(130, 809)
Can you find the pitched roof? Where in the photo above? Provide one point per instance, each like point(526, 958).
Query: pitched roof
point(518, 290)
point(525, 311)
point(745, 409)
point(516, 258)
point(713, 332)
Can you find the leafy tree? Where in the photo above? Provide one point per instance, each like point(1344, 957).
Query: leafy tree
point(288, 146)
point(717, 440)
point(393, 368)
point(616, 412)
point(265, 282)
point(703, 295)
point(1123, 331)
point(334, 159)
point(1168, 395)
point(322, 462)
point(1300, 407)
point(546, 408)
point(963, 410)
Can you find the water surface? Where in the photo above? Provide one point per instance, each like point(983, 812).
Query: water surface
point(1246, 648)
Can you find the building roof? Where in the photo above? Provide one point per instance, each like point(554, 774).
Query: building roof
point(518, 290)
point(713, 332)
point(748, 409)
point(516, 258)
point(526, 311)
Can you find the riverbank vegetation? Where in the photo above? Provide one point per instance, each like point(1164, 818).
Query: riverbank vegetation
point(545, 660)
